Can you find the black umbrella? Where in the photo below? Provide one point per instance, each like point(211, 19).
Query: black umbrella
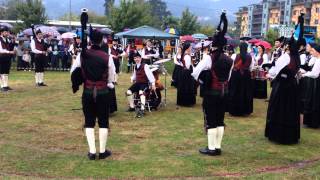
point(62, 30)
point(106, 31)
point(245, 38)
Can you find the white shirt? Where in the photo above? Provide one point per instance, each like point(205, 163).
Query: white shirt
point(187, 61)
point(111, 69)
point(175, 59)
point(204, 64)
point(314, 73)
point(33, 47)
point(282, 62)
point(144, 56)
point(264, 57)
point(303, 59)
point(2, 50)
point(312, 61)
point(148, 72)
point(233, 57)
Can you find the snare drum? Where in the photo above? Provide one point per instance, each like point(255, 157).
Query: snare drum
point(258, 74)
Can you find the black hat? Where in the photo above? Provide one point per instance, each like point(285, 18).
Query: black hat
point(4, 28)
point(218, 39)
point(38, 31)
point(137, 54)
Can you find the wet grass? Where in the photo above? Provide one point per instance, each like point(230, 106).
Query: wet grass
point(41, 137)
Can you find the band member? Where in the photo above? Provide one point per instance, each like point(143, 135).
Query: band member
point(312, 101)
point(240, 85)
point(6, 53)
point(39, 48)
point(74, 48)
point(177, 68)
point(131, 50)
point(149, 53)
point(115, 52)
point(215, 96)
point(260, 83)
point(96, 71)
point(283, 124)
point(142, 78)
point(186, 89)
point(277, 52)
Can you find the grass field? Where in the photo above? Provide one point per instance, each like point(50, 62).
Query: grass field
point(41, 137)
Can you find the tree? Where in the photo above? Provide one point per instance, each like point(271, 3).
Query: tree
point(31, 12)
point(207, 30)
point(159, 11)
point(66, 17)
point(188, 23)
point(108, 4)
point(9, 9)
point(170, 22)
point(271, 36)
point(130, 13)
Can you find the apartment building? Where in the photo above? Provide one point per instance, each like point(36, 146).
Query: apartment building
point(273, 13)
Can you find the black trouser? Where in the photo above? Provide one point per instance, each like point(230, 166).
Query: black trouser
point(117, 65)
point(96, 108)
point(214, 106)
point(5, 64)
point(40, 63)
point(19, 62)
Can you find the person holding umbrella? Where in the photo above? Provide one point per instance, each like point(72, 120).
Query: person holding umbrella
point(5, 58)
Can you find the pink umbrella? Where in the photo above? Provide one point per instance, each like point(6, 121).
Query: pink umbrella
point(46, 30)
point(68, 35)
point(254, 41)
point(265, 44)
point(187, 38)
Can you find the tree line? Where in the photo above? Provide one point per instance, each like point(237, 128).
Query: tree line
point(128, 14)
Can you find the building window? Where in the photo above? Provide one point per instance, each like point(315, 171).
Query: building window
point(316, 21)
point(264, 16)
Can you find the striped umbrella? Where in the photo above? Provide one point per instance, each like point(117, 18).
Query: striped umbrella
point(199, 36)
point(172, 31)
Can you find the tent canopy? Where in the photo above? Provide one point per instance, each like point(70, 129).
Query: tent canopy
point(146, 32)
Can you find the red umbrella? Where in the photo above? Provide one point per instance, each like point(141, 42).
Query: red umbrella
point(254, 41)
point(265, 44)
point(187, 38)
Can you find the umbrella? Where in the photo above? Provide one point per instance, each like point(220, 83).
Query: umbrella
point(204, 44)
point(187, 38)
point(46, 30)
point(254, 41)
point(172, 31)
point(106, 31)
point(199, 36)
point(6, 25)
point(62, 30)
point(27, 32)
point(68, 35)
point(265, 44)
point(245, 38)
point(228, 37)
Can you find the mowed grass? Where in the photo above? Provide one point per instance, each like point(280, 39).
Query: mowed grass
point(41, 137)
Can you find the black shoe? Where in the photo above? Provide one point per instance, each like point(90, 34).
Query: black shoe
point(4, 89)
point(91, 156)
point(9, 88)
point(104, 155)
point(207, 151)
point(42, 84)
point(131, 109)
point(140, 114)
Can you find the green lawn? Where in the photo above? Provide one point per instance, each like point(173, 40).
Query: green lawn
point(41, 137)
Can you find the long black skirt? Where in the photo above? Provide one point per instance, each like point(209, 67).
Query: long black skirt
point(240, 99)
point(113, 101)
point(214, 105)
point(260, 89)
point(304, 85)
point(186, 91)
point(283, 121)
point(312, 104)
point(176, 75)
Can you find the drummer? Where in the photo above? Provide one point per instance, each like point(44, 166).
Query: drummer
point(260, 83)
point(149, 53)
point(142, 78)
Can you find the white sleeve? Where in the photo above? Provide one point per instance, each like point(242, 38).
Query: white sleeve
point(303, 59)
point(202, 65)
point(156, 55)
point(3, 51)
point(233, 57)
point(314, 73)
point(71, 49)
point(111, 70)
point(133, 77)
point(187, 60)
point(76, 64)
point(143, 54)
point(149, 74)
point(265, 59)
point(33, 47)
point(279, 65)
